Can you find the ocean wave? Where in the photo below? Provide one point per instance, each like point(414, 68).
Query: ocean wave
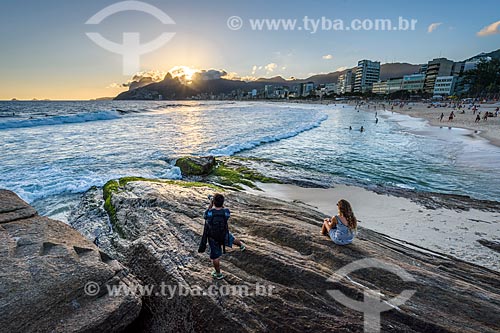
point(59, 120)
point(238, 147)
point(65, 185)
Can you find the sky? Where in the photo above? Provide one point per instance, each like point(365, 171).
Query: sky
point(45, 52)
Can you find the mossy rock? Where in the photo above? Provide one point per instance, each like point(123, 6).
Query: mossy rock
point(234, 176)
point(196, 166)
point(114, 186)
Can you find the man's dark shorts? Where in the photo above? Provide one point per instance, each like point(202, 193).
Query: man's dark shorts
point(216, 248)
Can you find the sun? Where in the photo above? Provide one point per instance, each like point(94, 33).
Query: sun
point(183, 72)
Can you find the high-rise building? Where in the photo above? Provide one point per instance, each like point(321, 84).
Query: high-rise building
point(367, 73)
point(436, 67)
point(345, 82)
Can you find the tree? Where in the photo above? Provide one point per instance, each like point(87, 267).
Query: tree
point(485, 78)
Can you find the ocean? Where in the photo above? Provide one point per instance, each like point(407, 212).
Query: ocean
point(54, 151)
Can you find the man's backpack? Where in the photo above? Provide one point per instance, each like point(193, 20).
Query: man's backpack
point(217, 226)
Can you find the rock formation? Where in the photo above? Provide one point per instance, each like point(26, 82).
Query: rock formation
point(195, 166)
point(44, 268)
point(160, 226)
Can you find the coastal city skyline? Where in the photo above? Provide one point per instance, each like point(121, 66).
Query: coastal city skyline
point(53, 58)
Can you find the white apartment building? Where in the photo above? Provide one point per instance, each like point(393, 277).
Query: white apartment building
point(445, 85)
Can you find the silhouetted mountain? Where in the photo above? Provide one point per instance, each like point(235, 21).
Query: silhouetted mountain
point(170, 88)
point(275, 79)
point(218, 86)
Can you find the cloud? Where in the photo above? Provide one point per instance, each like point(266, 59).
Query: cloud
point(491, 29)
point(340, 69)
point(433, 26)
point(327, 57)
point(210, 74)
point(270, 67)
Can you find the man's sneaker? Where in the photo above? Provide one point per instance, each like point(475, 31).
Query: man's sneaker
point(243, 247)
point(217, 276)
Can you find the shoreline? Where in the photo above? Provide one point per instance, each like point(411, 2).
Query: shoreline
point(441, 230)
point(484, 129)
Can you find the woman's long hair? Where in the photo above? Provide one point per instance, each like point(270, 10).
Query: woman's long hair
point(346, 211)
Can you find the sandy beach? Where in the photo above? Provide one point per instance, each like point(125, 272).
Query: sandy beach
point(447, 231)
point(488, 129)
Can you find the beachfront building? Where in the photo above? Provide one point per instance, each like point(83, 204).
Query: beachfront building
point(307, 88)
point(413, 82)
point(345, 82)
point(436, 67)
point(387, 87)
point(379, 88)
point(445, 85)
point(330, 88)
point(268, 91)
point(367, 73)
point(394, 84)
point(423, 69)
point(272, 91)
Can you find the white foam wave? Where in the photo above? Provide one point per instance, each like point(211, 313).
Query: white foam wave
point(58, 120)
point(237, 147)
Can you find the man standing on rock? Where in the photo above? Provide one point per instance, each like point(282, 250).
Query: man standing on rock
point(217, 233)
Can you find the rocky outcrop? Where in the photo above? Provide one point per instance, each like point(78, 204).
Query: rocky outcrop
point(44, 268)
point(195, 165)
point(161, 225)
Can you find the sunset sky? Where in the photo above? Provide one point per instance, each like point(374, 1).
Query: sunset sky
point(45, 52)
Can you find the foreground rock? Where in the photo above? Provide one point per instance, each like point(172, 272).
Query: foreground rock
point(160, 225)
point(44, 266)
point(195, 165)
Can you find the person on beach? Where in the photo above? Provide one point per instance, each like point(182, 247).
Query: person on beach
point(342, 227)
point(216, 232)
point(478, 118)
point(452, 115)
point(441, 117)
point(362, 129)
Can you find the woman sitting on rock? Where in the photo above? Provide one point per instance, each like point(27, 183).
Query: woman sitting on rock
point(341, 227)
